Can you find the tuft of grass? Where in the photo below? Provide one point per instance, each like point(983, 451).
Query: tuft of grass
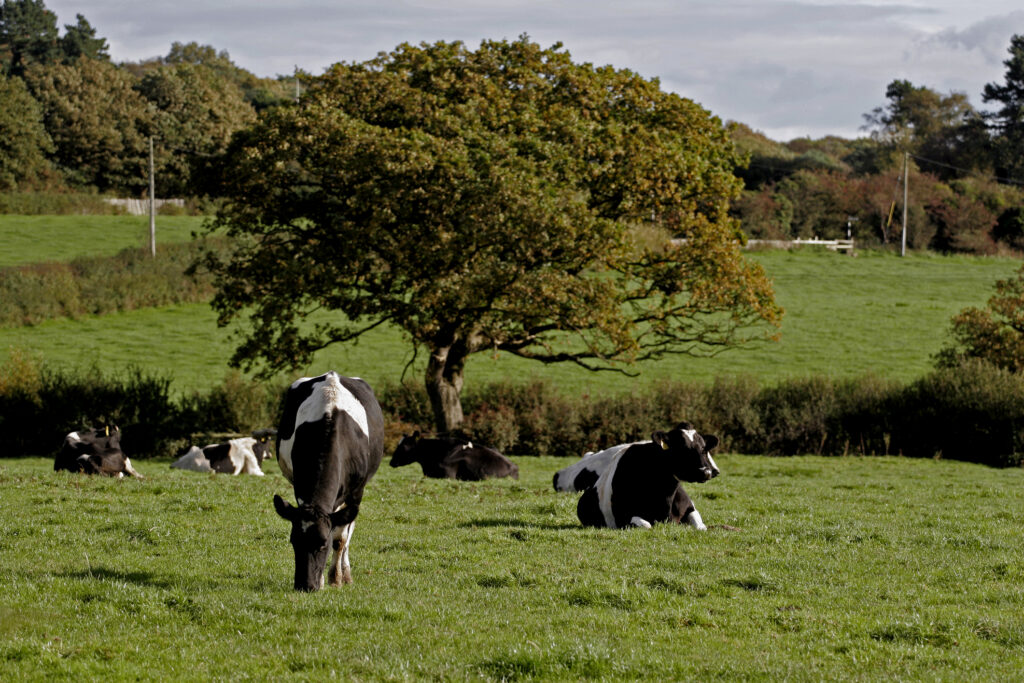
point(854, 568)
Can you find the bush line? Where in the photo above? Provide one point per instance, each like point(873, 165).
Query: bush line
point(130, 280)
point(974, 412)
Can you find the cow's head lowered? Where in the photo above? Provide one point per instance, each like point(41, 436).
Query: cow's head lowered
point(689, 452)
point(311, 540)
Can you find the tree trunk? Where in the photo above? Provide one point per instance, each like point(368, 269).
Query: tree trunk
point(444, 386)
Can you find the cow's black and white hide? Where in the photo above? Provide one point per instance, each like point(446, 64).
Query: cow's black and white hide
point(94, 451)
point(641, 483)
point(452, 457)
point(329, 443)
point(583, 473)
point(237, 456)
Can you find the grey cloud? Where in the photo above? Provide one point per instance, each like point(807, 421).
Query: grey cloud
point(778, 66)
point(990, 37)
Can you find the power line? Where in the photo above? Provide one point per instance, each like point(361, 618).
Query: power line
point(1009, 181)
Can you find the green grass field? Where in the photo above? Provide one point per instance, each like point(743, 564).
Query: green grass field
point(842, 569)
point(43, 239)
point(845, 316)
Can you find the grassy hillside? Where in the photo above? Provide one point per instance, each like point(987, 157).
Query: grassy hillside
point(40, 239)
point(845, 316)
point(842, 569)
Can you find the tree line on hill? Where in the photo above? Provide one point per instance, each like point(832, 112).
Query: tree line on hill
point(963, 168)
point(72, 119)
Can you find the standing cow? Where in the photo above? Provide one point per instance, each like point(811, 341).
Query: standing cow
point(329, 443)
point(94, 451)
point(452, 457)
point(640, 484)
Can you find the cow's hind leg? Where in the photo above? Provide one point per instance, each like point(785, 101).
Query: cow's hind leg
point(341, 571)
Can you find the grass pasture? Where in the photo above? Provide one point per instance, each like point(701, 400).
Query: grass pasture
point(843, 569)
point(57, 239)
point(845, 316)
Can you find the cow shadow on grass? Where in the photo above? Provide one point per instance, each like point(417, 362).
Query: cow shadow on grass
point(519, 523)
point(138, 578)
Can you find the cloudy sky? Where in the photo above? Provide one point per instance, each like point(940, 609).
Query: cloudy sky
point(788, 68)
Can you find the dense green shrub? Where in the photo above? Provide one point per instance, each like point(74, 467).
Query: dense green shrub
point(236, 406)
point(795, 415)
point(974, 412)
point(130, 280)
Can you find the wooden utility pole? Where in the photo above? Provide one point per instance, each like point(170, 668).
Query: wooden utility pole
point(152, 202)
point(906, 170)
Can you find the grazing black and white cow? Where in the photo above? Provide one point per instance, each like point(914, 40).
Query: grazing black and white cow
point(451, 457)
point(640, 484)
point(94, 451)
point(237, 456)
point(583, 473)
point(329, 443)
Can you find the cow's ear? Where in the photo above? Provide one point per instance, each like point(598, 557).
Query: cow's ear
point(711, 442)
point(284, 508)
point(416, 435)
point(660, 438)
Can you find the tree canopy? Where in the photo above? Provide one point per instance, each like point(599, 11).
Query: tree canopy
point(995, 333)
point(503, 200)
point(23, 139)
point(1008, 120)
point(97, 121)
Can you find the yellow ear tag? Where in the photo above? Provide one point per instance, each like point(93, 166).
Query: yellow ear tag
point(107, 429)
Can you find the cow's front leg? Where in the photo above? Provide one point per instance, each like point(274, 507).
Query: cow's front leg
point(694, 520)
point(341, 571)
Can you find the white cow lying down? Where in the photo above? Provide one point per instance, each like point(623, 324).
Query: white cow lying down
point(237, 456)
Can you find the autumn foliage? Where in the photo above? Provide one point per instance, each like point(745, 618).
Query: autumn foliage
point(504, 199)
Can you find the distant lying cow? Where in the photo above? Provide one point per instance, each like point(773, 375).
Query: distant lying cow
point(640, 484)
point(451, 457)
point(94, 451)
point(237, 456)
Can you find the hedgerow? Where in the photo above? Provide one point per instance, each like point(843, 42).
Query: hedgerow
point(97, 285)
point(974, 412)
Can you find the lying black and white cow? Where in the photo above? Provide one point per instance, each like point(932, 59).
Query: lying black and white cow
point(237, 456)
point(451, 457)
point(329, 443)
point(94, 451)
point(640, 483)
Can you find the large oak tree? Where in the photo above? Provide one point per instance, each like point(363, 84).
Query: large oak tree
point(503, 200)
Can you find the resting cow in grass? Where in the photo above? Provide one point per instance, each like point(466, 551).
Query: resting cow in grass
point(237, 456)
point(640, 484)
point(452, 457)
point(329, 443)
point(95, 451)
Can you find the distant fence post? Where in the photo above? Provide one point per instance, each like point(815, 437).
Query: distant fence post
point(152, 202)
point(906, 171)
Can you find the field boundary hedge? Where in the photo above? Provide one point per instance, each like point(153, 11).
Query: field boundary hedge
point(974, 412)
point(130, 280)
